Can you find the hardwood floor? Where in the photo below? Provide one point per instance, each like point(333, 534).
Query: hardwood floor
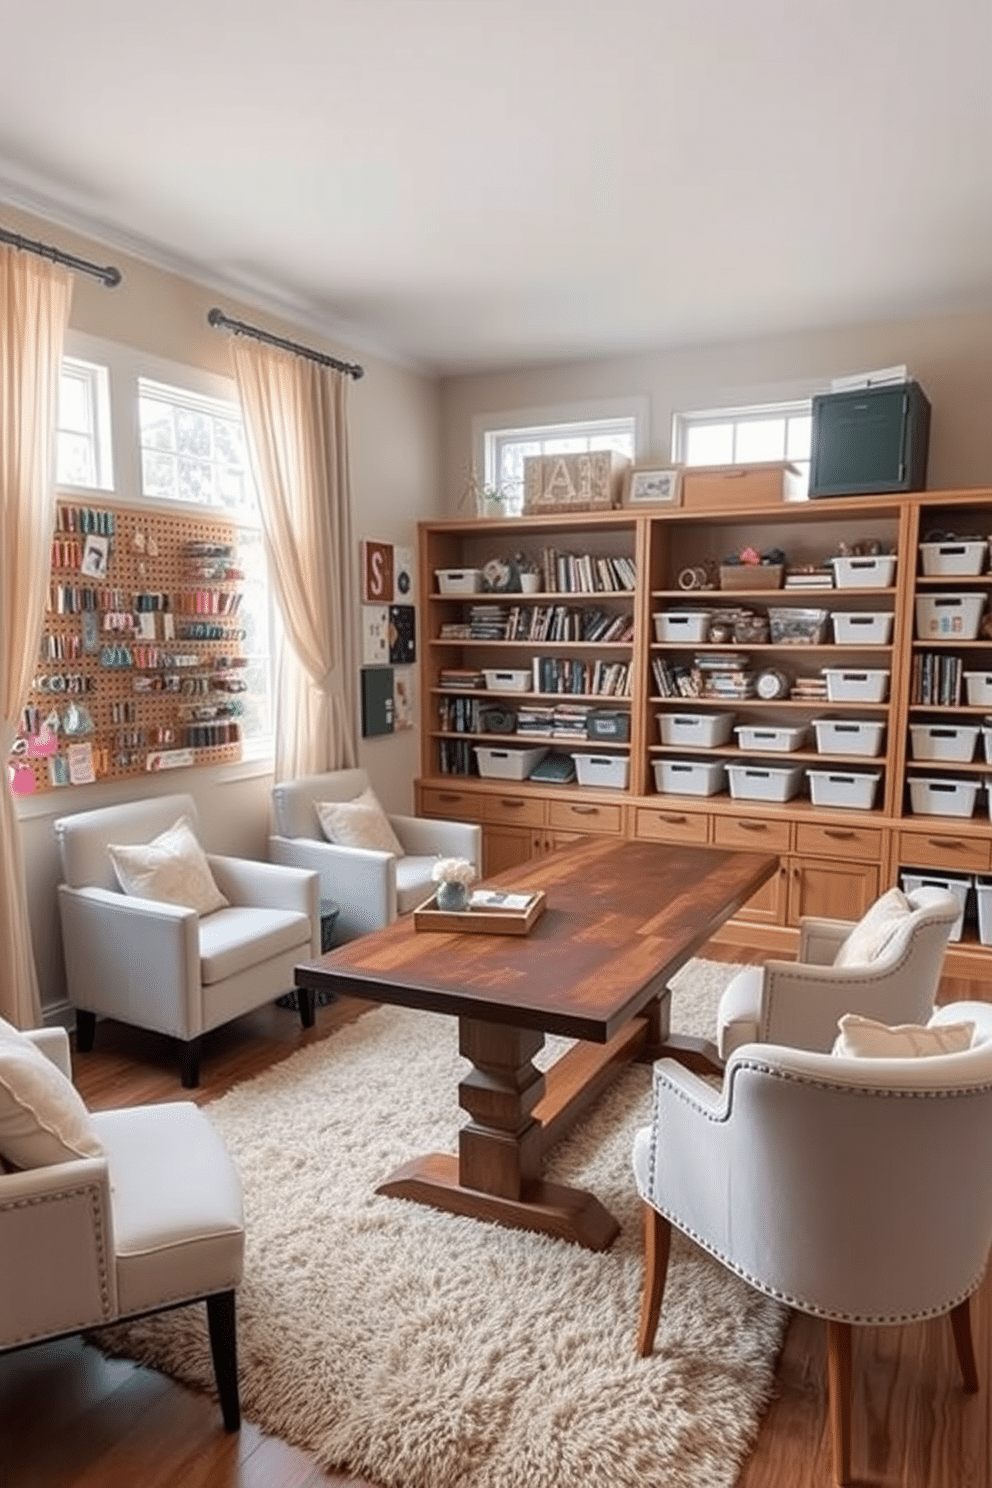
point(71, 1419)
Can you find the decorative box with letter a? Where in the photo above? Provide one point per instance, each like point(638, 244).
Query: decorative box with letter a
point(562, 483)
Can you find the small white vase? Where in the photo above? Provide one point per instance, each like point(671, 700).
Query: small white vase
point(530, 583)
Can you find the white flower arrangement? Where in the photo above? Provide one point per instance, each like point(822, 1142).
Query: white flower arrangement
point(453, 870)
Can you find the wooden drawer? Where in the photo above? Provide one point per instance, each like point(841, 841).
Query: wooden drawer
point(822, 841)
point(671, 826)
point(512, 811)
point(943, 850)
point(751, 831)
point(455, 805)
point(585, 816)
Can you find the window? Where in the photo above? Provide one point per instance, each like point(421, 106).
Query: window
point(744, 436)
point(193, 450)
point(83, 455)
point(506, 450)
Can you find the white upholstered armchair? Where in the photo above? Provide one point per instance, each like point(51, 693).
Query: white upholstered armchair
point(799, 1002)
point(110, 1215)
point(163, 965)
point(855, 1189)
point(371, 885)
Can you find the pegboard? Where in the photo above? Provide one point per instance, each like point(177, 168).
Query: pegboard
point(143, 663)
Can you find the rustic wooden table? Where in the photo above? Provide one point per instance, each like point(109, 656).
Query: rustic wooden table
point(622, 917)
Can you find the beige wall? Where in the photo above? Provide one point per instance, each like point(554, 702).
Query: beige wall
point(951, 357)
point(394, 462)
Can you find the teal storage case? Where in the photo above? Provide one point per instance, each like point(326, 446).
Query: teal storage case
point(870, 440)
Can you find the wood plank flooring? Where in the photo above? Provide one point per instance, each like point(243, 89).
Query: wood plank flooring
point(71, 1419)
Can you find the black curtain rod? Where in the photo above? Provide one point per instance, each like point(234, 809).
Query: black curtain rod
point(218, 318)
point(110, 276)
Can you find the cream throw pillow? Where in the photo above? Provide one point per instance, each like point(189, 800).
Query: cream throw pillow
point(863, 1038)
point(42, 1117)
point(359, 823)
point(173, 867)
point(873, 932)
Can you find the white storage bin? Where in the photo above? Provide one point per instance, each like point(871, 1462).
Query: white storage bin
point(957, 886)
point(983, 893)
point(765, 782)
point(459, 580)
point(952, 557)
point(682, 625)
point(987, 744)
point(700, 730)
point(865, 573)
point(610, 770)
point(856, 687)
point(515, 681)
point(867, 628)
point(508, 764)
point(978, 686)
point(777, 740)
point(942, 796)
point(855, 790)
point(848, 736)
point(944, 741)
point(948, 616)
point(690, 777)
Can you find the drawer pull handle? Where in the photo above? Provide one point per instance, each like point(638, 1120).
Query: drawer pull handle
point(945, 842)
point(448, 796)
point(843, 834)
point(667, 816)
point(753, 826)
point(511, 803)
point(585, 810)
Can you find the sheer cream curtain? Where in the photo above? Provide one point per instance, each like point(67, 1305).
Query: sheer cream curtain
point(296, 420)
point(34, 312)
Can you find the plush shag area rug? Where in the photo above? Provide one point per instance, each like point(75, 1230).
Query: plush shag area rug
point(424, 1350)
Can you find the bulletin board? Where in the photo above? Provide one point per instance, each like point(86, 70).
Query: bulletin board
point(143, 663)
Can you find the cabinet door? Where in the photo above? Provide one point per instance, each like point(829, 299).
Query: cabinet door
point(768, 906)
point(835, 890)
point(507, 847)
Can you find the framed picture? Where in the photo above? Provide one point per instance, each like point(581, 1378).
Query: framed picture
point(649, 486)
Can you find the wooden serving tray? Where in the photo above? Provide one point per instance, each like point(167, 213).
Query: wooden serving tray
point(480, 921)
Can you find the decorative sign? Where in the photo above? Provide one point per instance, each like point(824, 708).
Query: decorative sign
point(581, 482)
point(377, 572)
point(403, 698)
point(375, 635)
point(377, 701)
point(403, 575)
point(402, 634)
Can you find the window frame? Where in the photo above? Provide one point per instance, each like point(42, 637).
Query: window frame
point(738, 416)
point(96, 378)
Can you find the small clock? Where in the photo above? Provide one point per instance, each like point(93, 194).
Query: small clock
point(772, 683)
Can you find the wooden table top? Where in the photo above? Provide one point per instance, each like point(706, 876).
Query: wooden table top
point(622, 917)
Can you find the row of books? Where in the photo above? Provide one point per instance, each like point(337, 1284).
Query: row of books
point(562, 721)
point(463, 677)
point(727, 679)
point(594, 678)
point(586, 573)
point(457, 757)
point(935, 680)
point(559, 623)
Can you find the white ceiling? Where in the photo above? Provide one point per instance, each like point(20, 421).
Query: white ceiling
point(475, 183)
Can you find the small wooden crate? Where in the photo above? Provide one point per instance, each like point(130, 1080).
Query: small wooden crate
point(740, 487)
point(573, 483)
point(751, 575)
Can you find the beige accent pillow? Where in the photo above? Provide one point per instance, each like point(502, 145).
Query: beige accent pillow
point(172, 867)
point(873, 932)
point(359, 823)
point(42, 1117)
point(863, 1038)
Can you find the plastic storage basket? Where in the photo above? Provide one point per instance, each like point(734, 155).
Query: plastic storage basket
point(610, 771)
point(978, 686)
point(959, 887)
point(865, 573)
point(682, 625)
point(701, 730)
point(848, 736)
point(508, 764)
point(458, 580)
point(765, 782)
point(864, 628)
point(777, 740)
point(856, 687)
point(855, 789)
point(948, 616)
point(797, 627)
point(515, 681)
point(689, 777)
point(952, 557)
point(931, 796)
point(943, 741)
point(983, 894)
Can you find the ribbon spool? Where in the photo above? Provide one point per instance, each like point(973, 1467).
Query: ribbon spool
point(692, 578)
